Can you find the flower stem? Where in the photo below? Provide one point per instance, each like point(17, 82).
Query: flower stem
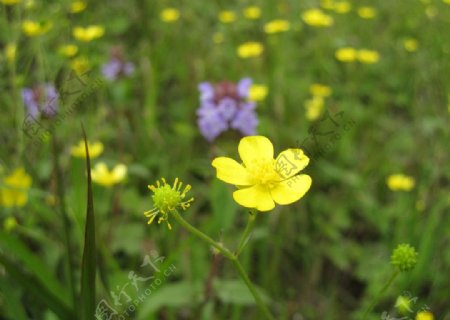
point(247, 231)
point(228, 254)
point(378, 296)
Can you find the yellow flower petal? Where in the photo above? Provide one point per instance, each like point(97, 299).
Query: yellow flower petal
point(290, 162)
point(253, 148)
point(119, 172)
point(291, 190)
point(254, 197)
point(230, 171)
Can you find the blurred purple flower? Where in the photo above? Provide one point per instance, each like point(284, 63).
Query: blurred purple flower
point(223, 106)
point(117, 67)
point(40, 101)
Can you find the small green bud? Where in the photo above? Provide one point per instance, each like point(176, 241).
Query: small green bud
point(403, 305)
point(404, 257)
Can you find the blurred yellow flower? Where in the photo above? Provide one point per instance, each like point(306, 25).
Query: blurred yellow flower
point(250, 49)
point(68, 50)
point(252, 12)
point(103, 176)
point(368, 56)
point(314, 108)
point(79, 150)
point(320, 90)
point(77, 6)
point(261, 179)
point(276, 26)
point(80, 65)
point(400, 182)
point(327, 4)
point(218, 37)
point(257, 92)
point(227, 16)
point(14, 189)
point(342, 7)
point(316, 18)
point(89, 33)
point(410, 44)
point(424, 315)
point(446, 1)
point(10, 2)
point(170, 15)
point(346, 54)
point(10, 52)
point(34, 29)
point(367, 12)
point(10, 224)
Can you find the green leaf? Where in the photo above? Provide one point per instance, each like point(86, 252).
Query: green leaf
point(88, 264)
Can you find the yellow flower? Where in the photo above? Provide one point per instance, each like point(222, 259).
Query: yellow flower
point(77, 6)
point(252, 12)
point(262, 180)
point(10, 2)
point(250, 49)
point(314, 108)
point(277, 26)
point(346, 54)
point(367, 12)
point(103, 176)
point(316, 18)
point(80, 65)
point(170, 15)
point(89, 33)
point(9, 224)
point(424, 315)
point(342, 7)
point(327, 4)
point(14, 189)
point(68, 50)
point(34, 29)
point(410, 44)
point(10, 52)
point(320, 90)
point(446, 1)
point(166, 199)
point(227, 16)
point(257, 92)
point(368, 56)
point(79, 150)
point(400, 182)
point(218, 37)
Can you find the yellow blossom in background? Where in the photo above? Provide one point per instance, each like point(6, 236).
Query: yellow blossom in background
point(367, 12)
point(77, 6)
point(314, 108)
point(89, 33)
point(316, 18)
point(107, 178)
point(80, 65)
point(79, 150)
point(424, 315)
point(68, 50)
point(446, 1)
point(34, 29)
point(10, 52)
point(320, 90)
point(346, 54)
point(14, 189)
point(250, 49)
point(276, 26)
point(327, 4)
point(29, 4)
point(252, 12)
point(431, 11)
point(400, 182)
point(342, 7)
point(257, 92)
point(410, 44)
point(262, 180)
point(10, 2)
point(10, 224)
point(368, 56)
point(218, 37)
point(170, 15)
point(227, 16)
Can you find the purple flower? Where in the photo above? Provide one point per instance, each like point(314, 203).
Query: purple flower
point(40, 101)
point(224, 106)
point(117, 66)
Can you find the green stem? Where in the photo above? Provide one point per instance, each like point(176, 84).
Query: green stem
point(380, 294)
point(228, 254)
point(247, 231)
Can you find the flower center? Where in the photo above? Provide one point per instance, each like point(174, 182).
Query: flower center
point(263, 172)
point(166, 198)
